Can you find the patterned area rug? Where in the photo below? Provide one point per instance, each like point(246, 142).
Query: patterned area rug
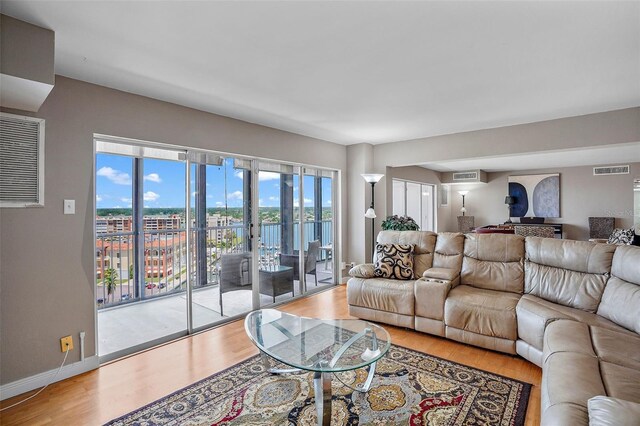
point(409, 388)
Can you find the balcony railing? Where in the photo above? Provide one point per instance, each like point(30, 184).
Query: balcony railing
point(165, 258)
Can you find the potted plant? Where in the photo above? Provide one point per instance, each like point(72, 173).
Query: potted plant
point(399, 223)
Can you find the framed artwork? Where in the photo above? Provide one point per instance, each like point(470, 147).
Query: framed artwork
point(535, 195)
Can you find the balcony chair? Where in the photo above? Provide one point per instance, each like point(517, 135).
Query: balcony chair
point(310, 261)
point(235, 273)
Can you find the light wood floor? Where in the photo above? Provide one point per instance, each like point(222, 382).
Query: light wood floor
point(122, 386)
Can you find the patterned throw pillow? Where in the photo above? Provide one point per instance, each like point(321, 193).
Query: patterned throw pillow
point(622, 236)
point(394, 261)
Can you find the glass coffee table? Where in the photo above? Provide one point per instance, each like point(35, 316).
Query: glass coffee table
point(321, 346)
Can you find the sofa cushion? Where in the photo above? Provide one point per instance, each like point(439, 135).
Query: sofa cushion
point(493, 262)
point(449, 251)
point(582, 361)
point(570, 273)
point(486, 312)
point(424, 243)
point(534, 314)
point(364, 270)
point(580, 256)
point(382, 294)
point(444, 274)
point(606, 411)
point(621, 298)
point(394, 261)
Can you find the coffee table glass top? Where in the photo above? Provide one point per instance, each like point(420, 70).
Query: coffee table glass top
point(317, 344)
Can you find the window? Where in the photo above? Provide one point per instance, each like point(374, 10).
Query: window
point(21, 161)
point(415, 200)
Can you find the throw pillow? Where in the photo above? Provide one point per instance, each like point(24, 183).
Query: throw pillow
point(394, 261)
point(366, 270)
point(622, 236)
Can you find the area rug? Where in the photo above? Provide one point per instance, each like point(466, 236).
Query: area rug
point(409, 388)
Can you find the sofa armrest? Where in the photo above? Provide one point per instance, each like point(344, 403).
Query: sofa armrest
point(606, 411)
point(430, 297)
point(365, 270)
point(442, 275)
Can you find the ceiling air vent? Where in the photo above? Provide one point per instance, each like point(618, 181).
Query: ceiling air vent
point(611, 170)
point(21, 161)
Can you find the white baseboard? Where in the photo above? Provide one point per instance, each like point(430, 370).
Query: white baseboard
point(39, 380)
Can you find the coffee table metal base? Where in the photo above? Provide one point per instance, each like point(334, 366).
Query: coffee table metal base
point(321, 386)
point(322, 389)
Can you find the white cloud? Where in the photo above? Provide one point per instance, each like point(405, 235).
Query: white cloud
point(219, 203)
point(98, 198)
point(236, 195)
point(153, 177)
point(272, 198)
point(329, 202)
point(151, 196)
point(262, 176)
point(125, 200)
point(307, 201)
point(268, 176)
point(116, 176)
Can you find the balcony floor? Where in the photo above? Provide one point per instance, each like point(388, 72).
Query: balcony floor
point(133, 324)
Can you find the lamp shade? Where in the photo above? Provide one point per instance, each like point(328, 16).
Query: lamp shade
point(370, 214)
point(509, 200)
point(372, 177)
point(463, 193)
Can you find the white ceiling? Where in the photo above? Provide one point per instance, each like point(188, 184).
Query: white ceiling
point(352, 72)
point(598, 156)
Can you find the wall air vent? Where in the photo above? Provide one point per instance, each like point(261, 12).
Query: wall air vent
point(465, 176)
point(611, 170)
point(469, 176)
point(21, 161)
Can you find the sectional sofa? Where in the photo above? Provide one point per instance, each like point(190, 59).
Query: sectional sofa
point(570, 307)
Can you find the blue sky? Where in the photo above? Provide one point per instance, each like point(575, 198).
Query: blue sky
point(164, 184)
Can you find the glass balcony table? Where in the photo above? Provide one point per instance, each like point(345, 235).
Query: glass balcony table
point(320, 346)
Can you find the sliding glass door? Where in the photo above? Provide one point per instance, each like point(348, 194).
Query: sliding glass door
point(186, 239)
point(416, 200)
point(141, 247)
point(221, 225)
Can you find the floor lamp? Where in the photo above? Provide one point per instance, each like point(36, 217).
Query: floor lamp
point(372, 178)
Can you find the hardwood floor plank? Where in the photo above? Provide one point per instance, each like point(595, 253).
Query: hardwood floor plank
point(122, 386)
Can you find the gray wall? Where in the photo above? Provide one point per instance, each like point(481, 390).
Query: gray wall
point(46, 258)
point(358, 245)
point(581, 195)
point(605, 128)
point(26, 50)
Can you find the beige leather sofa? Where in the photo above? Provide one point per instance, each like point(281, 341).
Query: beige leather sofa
point(570, 307)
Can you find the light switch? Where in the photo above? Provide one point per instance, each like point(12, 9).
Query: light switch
point(69, 206)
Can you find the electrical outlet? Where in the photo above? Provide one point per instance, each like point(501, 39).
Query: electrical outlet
point(66, 342)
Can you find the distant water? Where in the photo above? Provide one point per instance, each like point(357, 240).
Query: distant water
point(270, 234)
